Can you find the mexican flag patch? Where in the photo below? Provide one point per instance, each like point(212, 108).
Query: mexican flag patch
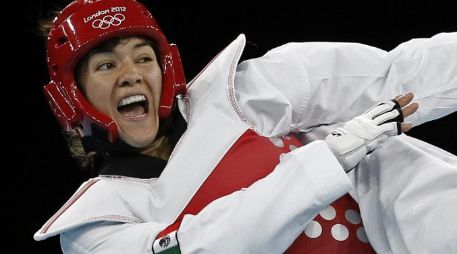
point(167, 244)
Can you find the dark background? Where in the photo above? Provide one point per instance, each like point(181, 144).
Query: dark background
point(41, 176)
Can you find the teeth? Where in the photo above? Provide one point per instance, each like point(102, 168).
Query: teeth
point(132, 99)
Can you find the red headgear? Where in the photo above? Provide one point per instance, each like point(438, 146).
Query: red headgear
point(80, 27)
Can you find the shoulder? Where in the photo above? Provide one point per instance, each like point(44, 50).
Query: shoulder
point(98, 199)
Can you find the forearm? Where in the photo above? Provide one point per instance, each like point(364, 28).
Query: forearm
point(347, 78)
point(324, 83)
point(267, 216)
point(270, 214)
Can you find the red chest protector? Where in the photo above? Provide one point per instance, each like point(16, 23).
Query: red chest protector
point(337, 229)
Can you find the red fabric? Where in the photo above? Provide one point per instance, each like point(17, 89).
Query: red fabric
point(344, 217)
point(253, 157)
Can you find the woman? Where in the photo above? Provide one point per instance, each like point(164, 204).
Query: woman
point(116, 89)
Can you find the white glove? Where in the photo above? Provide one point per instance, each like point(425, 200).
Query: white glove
point(363, 134)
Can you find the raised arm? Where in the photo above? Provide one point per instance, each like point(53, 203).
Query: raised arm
point(299, 86)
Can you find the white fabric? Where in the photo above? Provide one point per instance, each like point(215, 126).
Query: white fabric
point(255, 220)
point(305, 85)
point(150, 206)
point(407, 193)
point(333, 82)
point(296, 87)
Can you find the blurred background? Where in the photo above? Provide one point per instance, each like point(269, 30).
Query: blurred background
point(40, 176)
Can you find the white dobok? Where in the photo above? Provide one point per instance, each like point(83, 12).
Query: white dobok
point(406, 190)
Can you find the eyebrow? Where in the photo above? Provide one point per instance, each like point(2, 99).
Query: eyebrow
point(103, 50)
point(141, 44)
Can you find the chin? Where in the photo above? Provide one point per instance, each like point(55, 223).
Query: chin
point(138, 142)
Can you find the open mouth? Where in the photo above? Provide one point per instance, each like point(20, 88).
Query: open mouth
point(133, 107)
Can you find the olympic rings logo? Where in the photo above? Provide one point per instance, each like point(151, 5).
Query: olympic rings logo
point(108, 20)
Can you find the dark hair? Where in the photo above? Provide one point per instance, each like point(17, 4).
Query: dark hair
point(46, 19)
point(87, 161)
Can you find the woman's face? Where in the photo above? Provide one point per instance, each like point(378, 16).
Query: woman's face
point(125, 83)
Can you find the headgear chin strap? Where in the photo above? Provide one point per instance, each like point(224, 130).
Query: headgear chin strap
point(80, 27)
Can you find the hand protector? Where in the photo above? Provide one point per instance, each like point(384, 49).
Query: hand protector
point(363, 134)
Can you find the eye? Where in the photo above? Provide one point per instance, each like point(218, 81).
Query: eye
point(105, 66)
point(145, 59)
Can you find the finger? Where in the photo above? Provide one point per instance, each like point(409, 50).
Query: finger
point(406, 127)
point(405, 99)
point(410, 109)
point(391, 116)
point(380, 109)
point(390, 128)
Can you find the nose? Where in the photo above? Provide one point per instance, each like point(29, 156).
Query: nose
point(129, 75)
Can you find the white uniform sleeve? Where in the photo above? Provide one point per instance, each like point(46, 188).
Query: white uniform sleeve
point(298, 86)
point(269, 215)
point(263, 218)
point(407, 193)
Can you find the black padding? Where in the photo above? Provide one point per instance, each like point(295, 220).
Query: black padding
point(399, 128)
point(400, 118)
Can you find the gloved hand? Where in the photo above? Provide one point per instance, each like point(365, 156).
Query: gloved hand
point(363, 134)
